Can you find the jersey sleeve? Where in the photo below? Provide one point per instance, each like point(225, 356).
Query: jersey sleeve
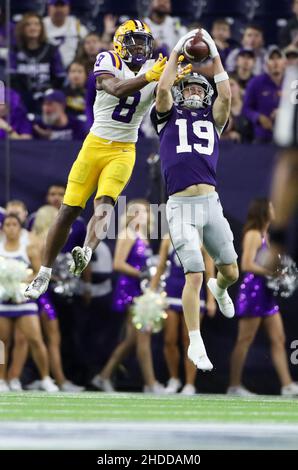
point(160, 120)
point(105, 64)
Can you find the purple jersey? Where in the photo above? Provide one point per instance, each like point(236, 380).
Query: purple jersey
point(261, 97)
point(189, 142)
point(17, 117)
point(128, 287)
point(255, 299)
point(73, 130)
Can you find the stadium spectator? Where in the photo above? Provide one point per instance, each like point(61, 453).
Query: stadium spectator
point(4, 41)
point(55, 124)
point(75, 91)
point(64, 30)
point(252, 39)
point(13, 119)
point(110, 23)
point(165, 28)
point(221, 33)
point(88, 50)
point(245, 63)
point(262, 95)
point(289, 34)
point(238, 129)
point(35, 64)
point(291, 53)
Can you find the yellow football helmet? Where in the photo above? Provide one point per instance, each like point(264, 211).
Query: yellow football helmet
point(133, 41)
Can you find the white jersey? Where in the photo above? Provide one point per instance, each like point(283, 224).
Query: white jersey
point(168, 32)
point(119, 119)
point(65, 37)
point(19, 254)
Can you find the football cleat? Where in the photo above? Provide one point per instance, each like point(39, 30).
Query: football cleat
point(81, 258)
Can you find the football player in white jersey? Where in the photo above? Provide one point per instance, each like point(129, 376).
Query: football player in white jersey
point(125, 82)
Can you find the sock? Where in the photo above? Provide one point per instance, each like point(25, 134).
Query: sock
point(44, 271)
point(195, 338)
point(220, 290)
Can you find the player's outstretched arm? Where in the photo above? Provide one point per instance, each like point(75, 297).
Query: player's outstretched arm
point(164, 99)
point(222, 104)
point(122, 88)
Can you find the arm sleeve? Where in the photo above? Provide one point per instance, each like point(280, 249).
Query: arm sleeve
point(160, 120)
point(105, 64)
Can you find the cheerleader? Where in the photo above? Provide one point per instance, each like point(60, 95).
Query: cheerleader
point(174, 287)
point(22, 315)
point(48, 316)
point(256, 304)
point(131, 254)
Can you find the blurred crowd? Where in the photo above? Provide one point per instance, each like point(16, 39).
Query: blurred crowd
point(50, 61)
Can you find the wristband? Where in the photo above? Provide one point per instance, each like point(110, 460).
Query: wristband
point(221, 77)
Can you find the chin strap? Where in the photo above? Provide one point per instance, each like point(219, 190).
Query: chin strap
point(193, 99)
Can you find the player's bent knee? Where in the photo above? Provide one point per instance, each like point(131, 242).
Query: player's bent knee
point(228, 255)
point(191, 260)
point(195, 279)
point(67, 214)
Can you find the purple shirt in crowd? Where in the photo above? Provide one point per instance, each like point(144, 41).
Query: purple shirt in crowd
point(261, 97)
point(189, 144)
point(18, 119)
point(73, 130)
point(90, 98)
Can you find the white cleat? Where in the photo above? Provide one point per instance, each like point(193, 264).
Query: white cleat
point(188, 390)
point(155, 389)
point(240, 391)
point(173, 385)
point(199, 357)
point(3, 386)
point(102, 384)
point(38, 286)
point(68, 386)
point(15, 385)
point(35, 385)
point(290, 390)
point(224, 301)
point(81, 258)
point(47, 385)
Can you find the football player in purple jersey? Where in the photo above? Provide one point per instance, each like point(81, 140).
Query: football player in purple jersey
point(189, 130)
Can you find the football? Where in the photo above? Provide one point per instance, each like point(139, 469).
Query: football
point(195, 49)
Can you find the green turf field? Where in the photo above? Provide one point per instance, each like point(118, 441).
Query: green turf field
point(121, 407)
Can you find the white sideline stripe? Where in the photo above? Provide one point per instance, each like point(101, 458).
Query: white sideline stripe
point(140, 435)
point(188, 427)
point(199, 397)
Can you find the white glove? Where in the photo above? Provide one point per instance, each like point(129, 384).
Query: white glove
point(211, 44)
point(180, 43)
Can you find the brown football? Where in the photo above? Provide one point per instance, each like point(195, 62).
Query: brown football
point(195, 49)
